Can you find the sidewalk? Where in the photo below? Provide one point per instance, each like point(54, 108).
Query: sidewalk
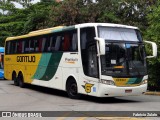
point(152, 93)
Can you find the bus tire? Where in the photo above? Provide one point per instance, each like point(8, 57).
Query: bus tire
point(72, 89)
point(14, 78)
point(21, 80)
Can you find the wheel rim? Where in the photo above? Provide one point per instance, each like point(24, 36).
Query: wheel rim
point(73, 89)
point(20, 80)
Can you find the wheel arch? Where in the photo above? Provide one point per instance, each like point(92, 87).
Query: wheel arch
point(72, 88)
point(20, 73)
point(71, 77)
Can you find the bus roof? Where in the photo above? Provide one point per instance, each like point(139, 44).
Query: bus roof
point(38, 32)
point(105, 24)
point(62, 28)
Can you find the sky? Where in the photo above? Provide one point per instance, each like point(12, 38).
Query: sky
point(34, 1)
point(20, 6)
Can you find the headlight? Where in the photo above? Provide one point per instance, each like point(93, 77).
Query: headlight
point(108, 82)
point(144, 82)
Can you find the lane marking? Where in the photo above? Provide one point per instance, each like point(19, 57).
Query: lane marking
point(82, 118)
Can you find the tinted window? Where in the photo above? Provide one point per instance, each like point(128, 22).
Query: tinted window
point(87, 35)
point(62, 41)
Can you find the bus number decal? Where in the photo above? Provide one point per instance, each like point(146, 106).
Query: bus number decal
point(26, 58)
point(87, 87)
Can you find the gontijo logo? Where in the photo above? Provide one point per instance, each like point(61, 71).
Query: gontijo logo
point(26, 58)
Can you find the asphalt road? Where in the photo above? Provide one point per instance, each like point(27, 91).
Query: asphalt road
point(35, 98)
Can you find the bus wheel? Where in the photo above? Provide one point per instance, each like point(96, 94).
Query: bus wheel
point(21, 81)
point(14, 78)
point(72, 89)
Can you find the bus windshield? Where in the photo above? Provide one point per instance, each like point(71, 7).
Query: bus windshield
point(125, 54)
point(119, 34)
point(123, 59)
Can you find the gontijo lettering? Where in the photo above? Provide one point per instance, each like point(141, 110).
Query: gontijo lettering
point(26, 58)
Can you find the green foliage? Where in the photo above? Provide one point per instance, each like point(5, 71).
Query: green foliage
point(11, 20)
point(6, 6)
point(153, 34)
point(71, 12)
point(37, 17)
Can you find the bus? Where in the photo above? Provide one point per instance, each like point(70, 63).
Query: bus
point(1, 62)
point(96, 59)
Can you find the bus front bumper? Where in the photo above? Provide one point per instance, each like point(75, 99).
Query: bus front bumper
point(113, 91)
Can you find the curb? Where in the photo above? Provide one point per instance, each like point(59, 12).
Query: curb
point(152, 93)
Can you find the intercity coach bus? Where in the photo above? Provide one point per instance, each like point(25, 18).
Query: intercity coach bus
point(97, 59)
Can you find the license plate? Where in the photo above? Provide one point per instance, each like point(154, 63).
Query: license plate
point(128, 91)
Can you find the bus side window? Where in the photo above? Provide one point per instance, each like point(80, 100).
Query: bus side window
point(53, 43)
point(58, 43)
point(69, 41)
point(26, 46)
point(47, 43)
point(31, 45)
point(83, 40)
point(15, 47)
point(23, 43)
point(38, 45)
point(8, 43)
point(19, 46)
point(74, 42)
point(66, 42)
point(11, 49)
point(87, 36)
point(43, 44)
point(51, 46)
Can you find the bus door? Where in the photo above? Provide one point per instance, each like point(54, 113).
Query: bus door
point(89, 61)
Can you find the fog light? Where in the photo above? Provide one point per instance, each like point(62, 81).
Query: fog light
point(108, 82)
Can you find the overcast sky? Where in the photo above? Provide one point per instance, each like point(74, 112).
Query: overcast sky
point(20, 6)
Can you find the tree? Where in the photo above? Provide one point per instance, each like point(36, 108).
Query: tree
point(6, 6)
point(71, 12)
point(153, 33)
point(107, 11)
point(21, 21)
point(11, 25)
point(38, 16)
point(6, 20)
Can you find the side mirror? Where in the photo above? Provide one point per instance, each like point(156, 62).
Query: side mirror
point(101, 44)
point(154, 49)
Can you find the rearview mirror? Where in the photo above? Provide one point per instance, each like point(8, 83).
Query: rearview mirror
point(154, 49)
point(101, 44)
